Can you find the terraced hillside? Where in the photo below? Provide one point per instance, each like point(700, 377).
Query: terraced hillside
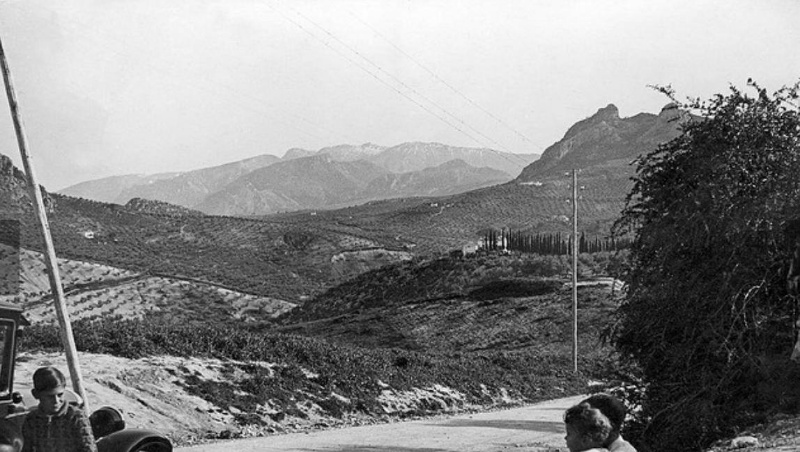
point(437, 225)
point(293, 257)
point(275, 259)
point(95, 291)
point(494, 331)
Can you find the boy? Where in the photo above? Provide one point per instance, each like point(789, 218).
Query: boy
point(615, 411)
point(587, 429)
point(55, 425)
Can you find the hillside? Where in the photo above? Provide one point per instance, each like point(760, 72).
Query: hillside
point(451, 177)
point(190, 188)
point(198, 381)
point(415, 156)
point(111, 189)
point(287, 261)
point(349, 153)
point(159, 208)
point(96, 291)
point(185, 189)
point(457, 305)
point(605, 141)
point(438, 224)
point(303, 183)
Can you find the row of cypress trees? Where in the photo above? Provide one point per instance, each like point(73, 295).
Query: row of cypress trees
point(549, 243)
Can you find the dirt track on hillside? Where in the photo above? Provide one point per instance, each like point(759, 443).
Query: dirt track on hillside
point(536, 427)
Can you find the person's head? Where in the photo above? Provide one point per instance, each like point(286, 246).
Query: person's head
point(587, 427)
point(48, 388)
point(612, 408)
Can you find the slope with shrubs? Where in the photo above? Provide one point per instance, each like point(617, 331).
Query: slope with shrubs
point(503, 338)
point(492, 302)
point(709, 317)
point(425, 279)
point(271, 382)
point(288, 261)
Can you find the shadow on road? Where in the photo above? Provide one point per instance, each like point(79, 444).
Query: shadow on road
point(356, 448)
point(536, 426)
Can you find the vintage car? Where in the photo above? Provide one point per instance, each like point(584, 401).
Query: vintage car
point(107, 423)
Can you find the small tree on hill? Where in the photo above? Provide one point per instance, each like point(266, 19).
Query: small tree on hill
point(707, 318)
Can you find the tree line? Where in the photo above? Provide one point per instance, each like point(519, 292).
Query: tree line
point(549, 243)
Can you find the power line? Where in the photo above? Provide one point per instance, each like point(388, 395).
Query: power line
point(444, 82)
point(397, 80)
point(373, 75)
point(505, 155)
point(256, 105)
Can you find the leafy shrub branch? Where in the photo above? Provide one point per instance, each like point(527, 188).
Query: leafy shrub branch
point(708, 317)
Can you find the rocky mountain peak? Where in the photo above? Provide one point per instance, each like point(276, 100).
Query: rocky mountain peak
point(610, 111)
point(9, 171)
point(14, 187)
point(604, 138)
point(295, 153)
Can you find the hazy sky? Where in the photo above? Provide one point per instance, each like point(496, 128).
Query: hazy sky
point(112, 87)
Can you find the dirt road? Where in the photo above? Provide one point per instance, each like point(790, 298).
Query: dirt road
point(533, 428)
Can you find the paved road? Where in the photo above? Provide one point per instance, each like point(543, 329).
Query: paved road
point(533, 428)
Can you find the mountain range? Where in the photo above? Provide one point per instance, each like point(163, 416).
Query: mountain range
point(333, 176)
point(297, 254)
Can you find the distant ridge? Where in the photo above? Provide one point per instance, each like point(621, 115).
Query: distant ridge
point(449, 178)
point(417, 155)
point(304, 183)
point(231, 189)
point(111, 189)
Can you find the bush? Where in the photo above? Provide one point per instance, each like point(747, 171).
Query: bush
point(707, 313)
point(515, 288)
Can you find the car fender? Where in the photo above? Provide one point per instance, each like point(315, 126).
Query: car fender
point(134, 440)
point(10, 436)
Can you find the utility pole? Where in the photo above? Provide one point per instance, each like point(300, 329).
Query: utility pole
point(51, 261)
point(575, 270)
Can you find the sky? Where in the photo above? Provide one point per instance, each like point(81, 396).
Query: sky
point(112, 87)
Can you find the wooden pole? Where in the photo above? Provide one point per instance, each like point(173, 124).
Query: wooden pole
point(67, 338)
point(575, 270)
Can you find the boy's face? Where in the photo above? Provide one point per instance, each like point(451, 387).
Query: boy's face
point(50, 401)
point(576, 442)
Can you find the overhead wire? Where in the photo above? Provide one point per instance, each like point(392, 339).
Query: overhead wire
point(442, 81)
point(396, 80)
point(508, 155)
point(253, 104)
point(257, 105)
point(373, 75)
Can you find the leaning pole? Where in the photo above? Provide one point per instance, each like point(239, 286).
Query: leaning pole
point(67, 338)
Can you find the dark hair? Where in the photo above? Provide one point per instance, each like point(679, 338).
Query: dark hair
point(589, 422)
point(47, 378)
point(611, 407)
